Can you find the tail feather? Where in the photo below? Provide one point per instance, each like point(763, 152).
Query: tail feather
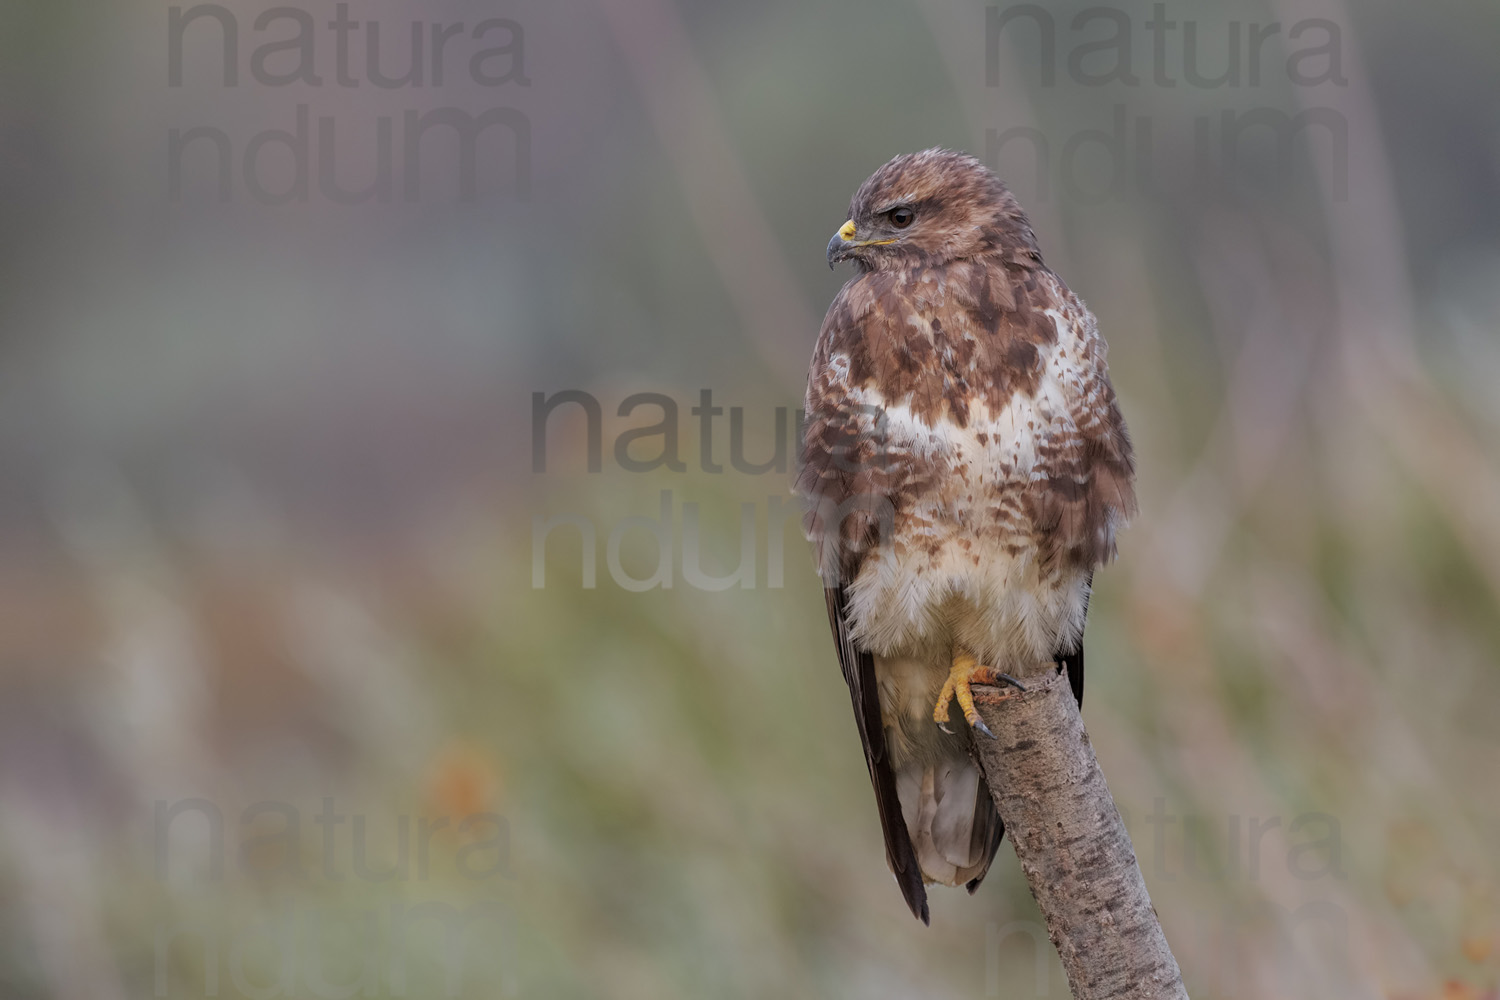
point(951, 818)
point(988, 829)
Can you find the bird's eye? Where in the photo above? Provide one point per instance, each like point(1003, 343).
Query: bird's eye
point(902, 217)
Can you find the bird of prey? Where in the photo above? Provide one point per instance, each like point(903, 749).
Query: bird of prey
point(965, 467)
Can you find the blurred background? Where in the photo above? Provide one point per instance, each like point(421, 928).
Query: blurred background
point(326, 666)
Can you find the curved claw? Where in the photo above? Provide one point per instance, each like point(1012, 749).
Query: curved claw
point(966, 671)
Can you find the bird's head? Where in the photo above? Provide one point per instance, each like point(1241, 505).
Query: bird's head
point(930, 208)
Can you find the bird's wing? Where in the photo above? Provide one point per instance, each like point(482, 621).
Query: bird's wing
point(1072, 659)
point(859, 673)
point(849, 489)
point(1086, 490)
point(1083, 484)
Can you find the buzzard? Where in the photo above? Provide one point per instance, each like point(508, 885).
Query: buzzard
point(965, 468)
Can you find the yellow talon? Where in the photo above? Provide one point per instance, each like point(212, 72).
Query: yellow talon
point(967, 671)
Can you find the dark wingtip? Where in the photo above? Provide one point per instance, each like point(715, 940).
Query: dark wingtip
point(915, 893)
point(973, 884)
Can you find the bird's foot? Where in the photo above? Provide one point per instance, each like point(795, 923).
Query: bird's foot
point(967, 671)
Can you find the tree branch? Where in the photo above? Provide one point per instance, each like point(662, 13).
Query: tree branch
point(1072, 845)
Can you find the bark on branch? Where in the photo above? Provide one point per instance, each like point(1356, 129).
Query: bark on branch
point(1072, 845)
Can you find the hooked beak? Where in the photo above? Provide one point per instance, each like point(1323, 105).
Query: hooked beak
point(843, 245)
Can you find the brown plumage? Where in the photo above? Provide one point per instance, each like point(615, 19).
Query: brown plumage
point(966, 468)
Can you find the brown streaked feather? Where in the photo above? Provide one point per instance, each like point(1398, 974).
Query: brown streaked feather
point(938, 353)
